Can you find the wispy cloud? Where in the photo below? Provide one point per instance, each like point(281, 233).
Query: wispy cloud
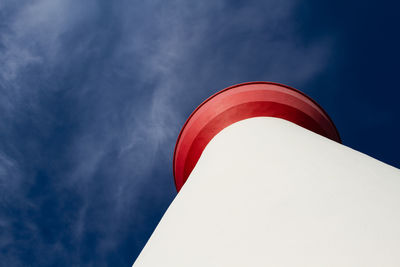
point(102, 89)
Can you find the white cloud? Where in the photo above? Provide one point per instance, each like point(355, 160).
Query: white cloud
point(145, 65)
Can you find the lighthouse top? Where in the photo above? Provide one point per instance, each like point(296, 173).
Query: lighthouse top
point(240, 102)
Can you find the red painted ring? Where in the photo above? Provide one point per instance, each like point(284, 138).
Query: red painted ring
point(239, 102)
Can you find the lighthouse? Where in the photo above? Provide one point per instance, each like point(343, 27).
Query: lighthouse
point(263, 180)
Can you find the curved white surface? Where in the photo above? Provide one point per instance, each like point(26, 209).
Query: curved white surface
point(267, 192)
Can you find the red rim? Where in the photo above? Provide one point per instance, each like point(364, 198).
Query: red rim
point(239, 102)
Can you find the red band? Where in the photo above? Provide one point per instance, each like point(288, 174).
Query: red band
point(239, 102)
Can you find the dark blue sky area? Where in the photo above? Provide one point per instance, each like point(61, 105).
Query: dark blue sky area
point(94, 93)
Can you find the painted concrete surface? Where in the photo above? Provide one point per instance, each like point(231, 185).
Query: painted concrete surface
point(267, 192)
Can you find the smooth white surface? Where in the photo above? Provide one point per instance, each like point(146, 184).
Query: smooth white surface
point(267, 192)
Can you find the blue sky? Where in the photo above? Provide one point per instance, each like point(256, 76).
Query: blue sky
point(94, 93)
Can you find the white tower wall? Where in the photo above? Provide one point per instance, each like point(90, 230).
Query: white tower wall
point(266, 192)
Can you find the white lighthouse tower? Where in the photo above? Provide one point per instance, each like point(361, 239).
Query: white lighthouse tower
point(264, 180)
